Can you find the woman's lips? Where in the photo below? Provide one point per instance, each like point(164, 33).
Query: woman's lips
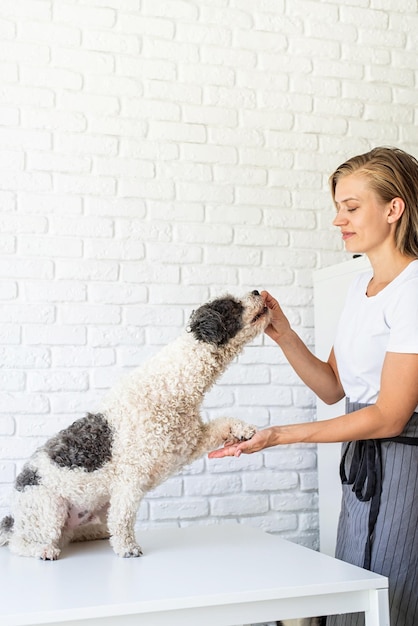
point(346, 236)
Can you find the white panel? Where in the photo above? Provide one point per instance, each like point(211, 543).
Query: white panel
point(330, 289)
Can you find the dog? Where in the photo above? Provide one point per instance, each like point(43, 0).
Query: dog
point(87, 481)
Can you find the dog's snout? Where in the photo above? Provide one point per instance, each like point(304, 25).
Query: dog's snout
point(255, 292)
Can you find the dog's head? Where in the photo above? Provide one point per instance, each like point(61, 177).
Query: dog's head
point(220, 320)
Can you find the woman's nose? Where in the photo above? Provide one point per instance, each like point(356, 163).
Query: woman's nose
point(339, 219)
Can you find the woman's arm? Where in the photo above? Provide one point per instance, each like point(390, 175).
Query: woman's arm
point(320, 376)
point(397, 401)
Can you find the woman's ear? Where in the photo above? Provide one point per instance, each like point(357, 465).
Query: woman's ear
point(396, 209)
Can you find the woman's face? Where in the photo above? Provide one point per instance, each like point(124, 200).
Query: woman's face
point(361, 215)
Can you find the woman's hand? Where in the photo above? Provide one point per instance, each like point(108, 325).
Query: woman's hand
point(262, 439)
point(279, 323)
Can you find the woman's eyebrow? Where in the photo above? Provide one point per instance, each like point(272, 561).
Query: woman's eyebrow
point(346, 200)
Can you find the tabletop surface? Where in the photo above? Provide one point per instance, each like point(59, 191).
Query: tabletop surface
point(181, 567)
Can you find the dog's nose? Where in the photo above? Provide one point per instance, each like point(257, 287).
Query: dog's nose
point(255, 292)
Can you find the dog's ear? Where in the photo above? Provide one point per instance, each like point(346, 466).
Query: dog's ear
point(207, 325)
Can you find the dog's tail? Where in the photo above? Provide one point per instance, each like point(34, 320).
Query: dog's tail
point(6, 529)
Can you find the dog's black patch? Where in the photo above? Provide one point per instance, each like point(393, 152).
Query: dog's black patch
point(217, 322)
point(86, 444)
point(7, 523)
point(28, 477)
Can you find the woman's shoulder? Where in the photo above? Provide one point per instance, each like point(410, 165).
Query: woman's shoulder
point(404, 292)
point(411, 271)
point(407, 281)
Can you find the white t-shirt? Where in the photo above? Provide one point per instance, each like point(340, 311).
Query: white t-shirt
point(371, 326)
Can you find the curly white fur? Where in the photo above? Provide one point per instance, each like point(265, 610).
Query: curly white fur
point(87, 482)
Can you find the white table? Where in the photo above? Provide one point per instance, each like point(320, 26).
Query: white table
point(195, 576)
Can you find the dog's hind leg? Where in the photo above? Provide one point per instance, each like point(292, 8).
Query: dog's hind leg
point(124, 503)
point(221, 431)
point(39, 520)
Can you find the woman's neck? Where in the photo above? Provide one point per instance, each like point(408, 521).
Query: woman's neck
point(385, 269)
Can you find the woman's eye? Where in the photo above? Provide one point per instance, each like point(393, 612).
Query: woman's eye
point(351, 209)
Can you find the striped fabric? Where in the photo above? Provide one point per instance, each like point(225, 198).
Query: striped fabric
point(394, 548)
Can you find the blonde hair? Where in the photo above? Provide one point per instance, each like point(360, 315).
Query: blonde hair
point(391, 173)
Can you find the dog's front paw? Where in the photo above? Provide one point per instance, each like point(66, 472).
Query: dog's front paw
point(127, 551)
point(50, 553)
point(132, 551)
point(240, 431)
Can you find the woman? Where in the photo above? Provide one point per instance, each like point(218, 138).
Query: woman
point(374, 364)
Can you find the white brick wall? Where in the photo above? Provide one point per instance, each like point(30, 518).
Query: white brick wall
point(154, 154)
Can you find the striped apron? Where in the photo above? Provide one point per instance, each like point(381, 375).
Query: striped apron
point(378, 525)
